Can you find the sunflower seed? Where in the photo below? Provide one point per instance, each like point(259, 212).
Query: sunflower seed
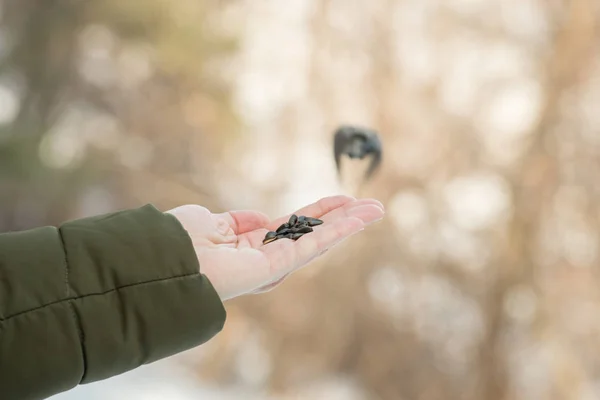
point(313, 221)
point(293, 220)
point(296, 236)
point(294, 229)
point(270, 237)
point(283, 227)
point(286, 231)
point(303, 229)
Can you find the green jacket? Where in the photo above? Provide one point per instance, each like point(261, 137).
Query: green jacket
point(97, 297)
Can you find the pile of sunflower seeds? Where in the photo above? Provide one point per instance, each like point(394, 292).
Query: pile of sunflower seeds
point(294, 229)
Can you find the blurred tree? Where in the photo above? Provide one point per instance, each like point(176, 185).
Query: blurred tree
point(114, 103)
point(460, 292)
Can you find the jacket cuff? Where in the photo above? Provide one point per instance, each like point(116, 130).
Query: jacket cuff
point(138, 292)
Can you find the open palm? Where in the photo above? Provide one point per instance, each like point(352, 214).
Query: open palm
point(230, 249)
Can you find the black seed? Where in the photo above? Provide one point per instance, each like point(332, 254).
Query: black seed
point(282, 227)
point(313, 221)
point(301, 225)
point(286, 231)
point(269, 237)
point(293, 220)
point(296, 227)
point(297, 236)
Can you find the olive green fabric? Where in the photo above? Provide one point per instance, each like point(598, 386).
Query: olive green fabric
point(97, 297)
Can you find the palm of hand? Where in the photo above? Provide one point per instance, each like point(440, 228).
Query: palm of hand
point(230, 249)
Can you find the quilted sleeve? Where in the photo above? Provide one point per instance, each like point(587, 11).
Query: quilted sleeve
point(97, 297)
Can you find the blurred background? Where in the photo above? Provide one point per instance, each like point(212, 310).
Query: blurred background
point(481, 282)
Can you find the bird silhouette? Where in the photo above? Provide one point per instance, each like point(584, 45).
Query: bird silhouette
point(362, 148)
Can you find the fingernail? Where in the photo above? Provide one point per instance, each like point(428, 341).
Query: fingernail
point(372, 222)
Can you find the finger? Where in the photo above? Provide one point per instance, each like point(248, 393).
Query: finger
point(367, 212)
point(370, 201)
point(327, 237)
point(366, 209)
point(286, 255)
point(243, 221)
point(315, 210)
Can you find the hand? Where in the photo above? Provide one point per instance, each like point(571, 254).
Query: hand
point(230, 249)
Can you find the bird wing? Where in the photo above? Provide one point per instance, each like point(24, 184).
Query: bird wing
point(340, 142)
point(376, 154)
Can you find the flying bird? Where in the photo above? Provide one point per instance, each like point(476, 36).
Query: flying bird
point(357, 143)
